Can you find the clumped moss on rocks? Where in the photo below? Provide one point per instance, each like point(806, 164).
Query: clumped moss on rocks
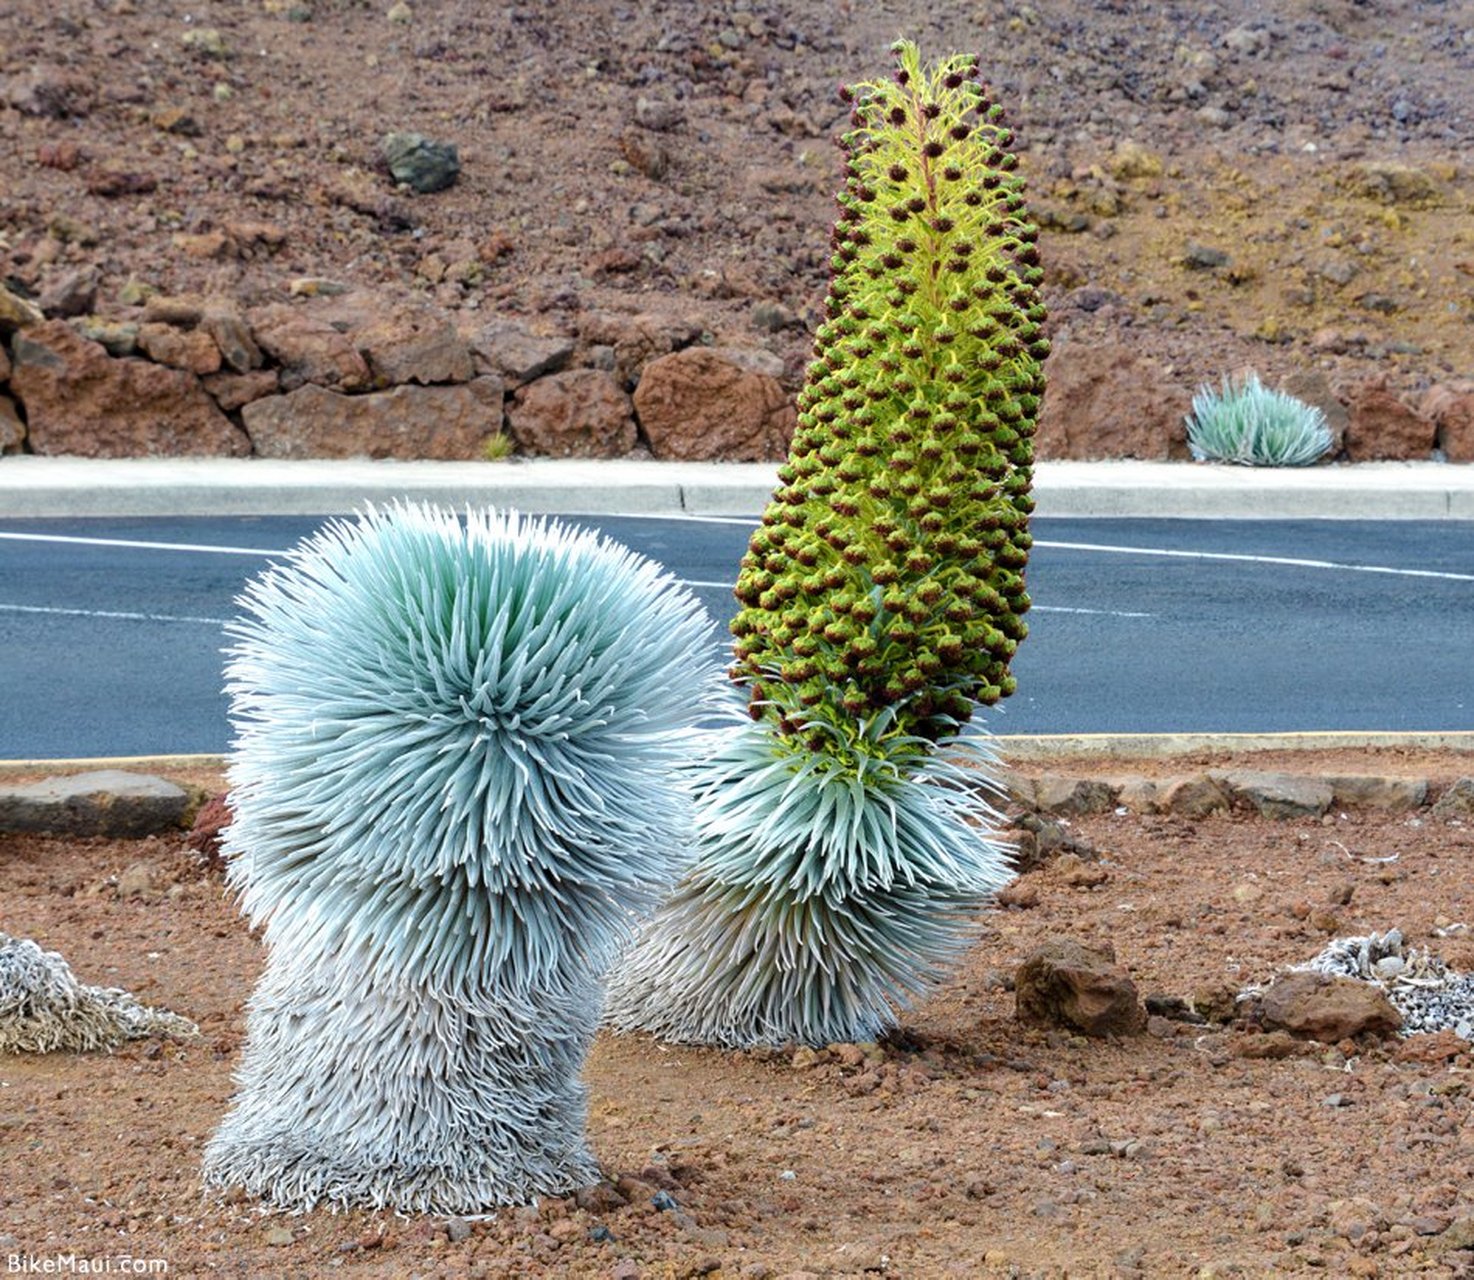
point(888, 571)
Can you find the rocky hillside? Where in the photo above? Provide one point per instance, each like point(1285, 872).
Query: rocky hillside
point(204, 249)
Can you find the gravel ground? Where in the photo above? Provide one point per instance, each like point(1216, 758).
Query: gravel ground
point(967, 1145)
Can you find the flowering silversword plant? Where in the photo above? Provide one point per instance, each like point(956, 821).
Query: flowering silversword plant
point(840, 854)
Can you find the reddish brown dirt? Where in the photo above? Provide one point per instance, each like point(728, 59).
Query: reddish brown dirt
point(1259, 122)
point(969, 1146)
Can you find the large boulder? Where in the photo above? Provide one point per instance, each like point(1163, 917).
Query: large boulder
point(715, 403)
point(1382, 427)
point(1450, 407)
point(447, 423)
point(414, 344)
point(1064, 983)
point(517, 354)
point(1320, 1006)
point(1107, 402)
point(581, 413)
point(311, 348)
point(80, 400)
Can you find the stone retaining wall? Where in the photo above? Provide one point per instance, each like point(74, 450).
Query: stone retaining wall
point(332, 373)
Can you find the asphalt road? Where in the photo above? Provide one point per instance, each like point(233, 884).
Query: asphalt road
point(1139, 625)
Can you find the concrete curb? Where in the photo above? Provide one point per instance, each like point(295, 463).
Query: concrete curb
point(36, 487)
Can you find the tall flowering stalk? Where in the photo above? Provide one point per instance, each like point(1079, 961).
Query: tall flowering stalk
point(453, 788)
point(839, 855)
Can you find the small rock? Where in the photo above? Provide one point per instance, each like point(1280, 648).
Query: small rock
point(1456, 802)
point(457, 1230)
point(117, 339)
point(657, 114)
point(16, 312)
point(1201, 257)
point(663, 1200)
point(71, 294)
point(278, 1236)
point(1326, 1008)
point(1217, 1002)
point(805, 1058)
point(207, 42)
point(1064, 983)
point(1246, 41)
point(645, 154)
point(1019, 894)
point(136, 881)
point(1079, 874)
point(233, 391)
point(315, 287)
point(424, 165)
point(772, 317)
point(112, 182)
point(1433, 1049)
point(192, 350)
point(1054, 794)
point(599, 1197)
point(400, 14)
point(1458, 1235)
point(1130, 160)
point(12, 429)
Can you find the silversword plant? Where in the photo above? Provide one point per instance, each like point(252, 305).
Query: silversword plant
point(839, 856)
point(453, 786)
point(1253, 425)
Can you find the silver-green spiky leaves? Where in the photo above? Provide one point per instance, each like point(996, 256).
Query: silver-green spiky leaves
point(1251, 424)
point(482, 711)
point(455, 786)
point(825, 895)
point(44, 1009)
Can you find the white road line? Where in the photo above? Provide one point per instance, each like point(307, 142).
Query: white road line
point(109, 613)
point(1291, 561)
point(147, 546)
point(1103, 613)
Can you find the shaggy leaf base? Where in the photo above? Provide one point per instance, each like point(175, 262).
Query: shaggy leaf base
point(391, 1095)
point(815, 908)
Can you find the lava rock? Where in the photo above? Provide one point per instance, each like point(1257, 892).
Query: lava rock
point(1106, 402)
point(422, 164)
point(1064, 983)
point(580, 413)
point(1327, 1008)
point(80, 400)
point(718, 403)
point(410, 422)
